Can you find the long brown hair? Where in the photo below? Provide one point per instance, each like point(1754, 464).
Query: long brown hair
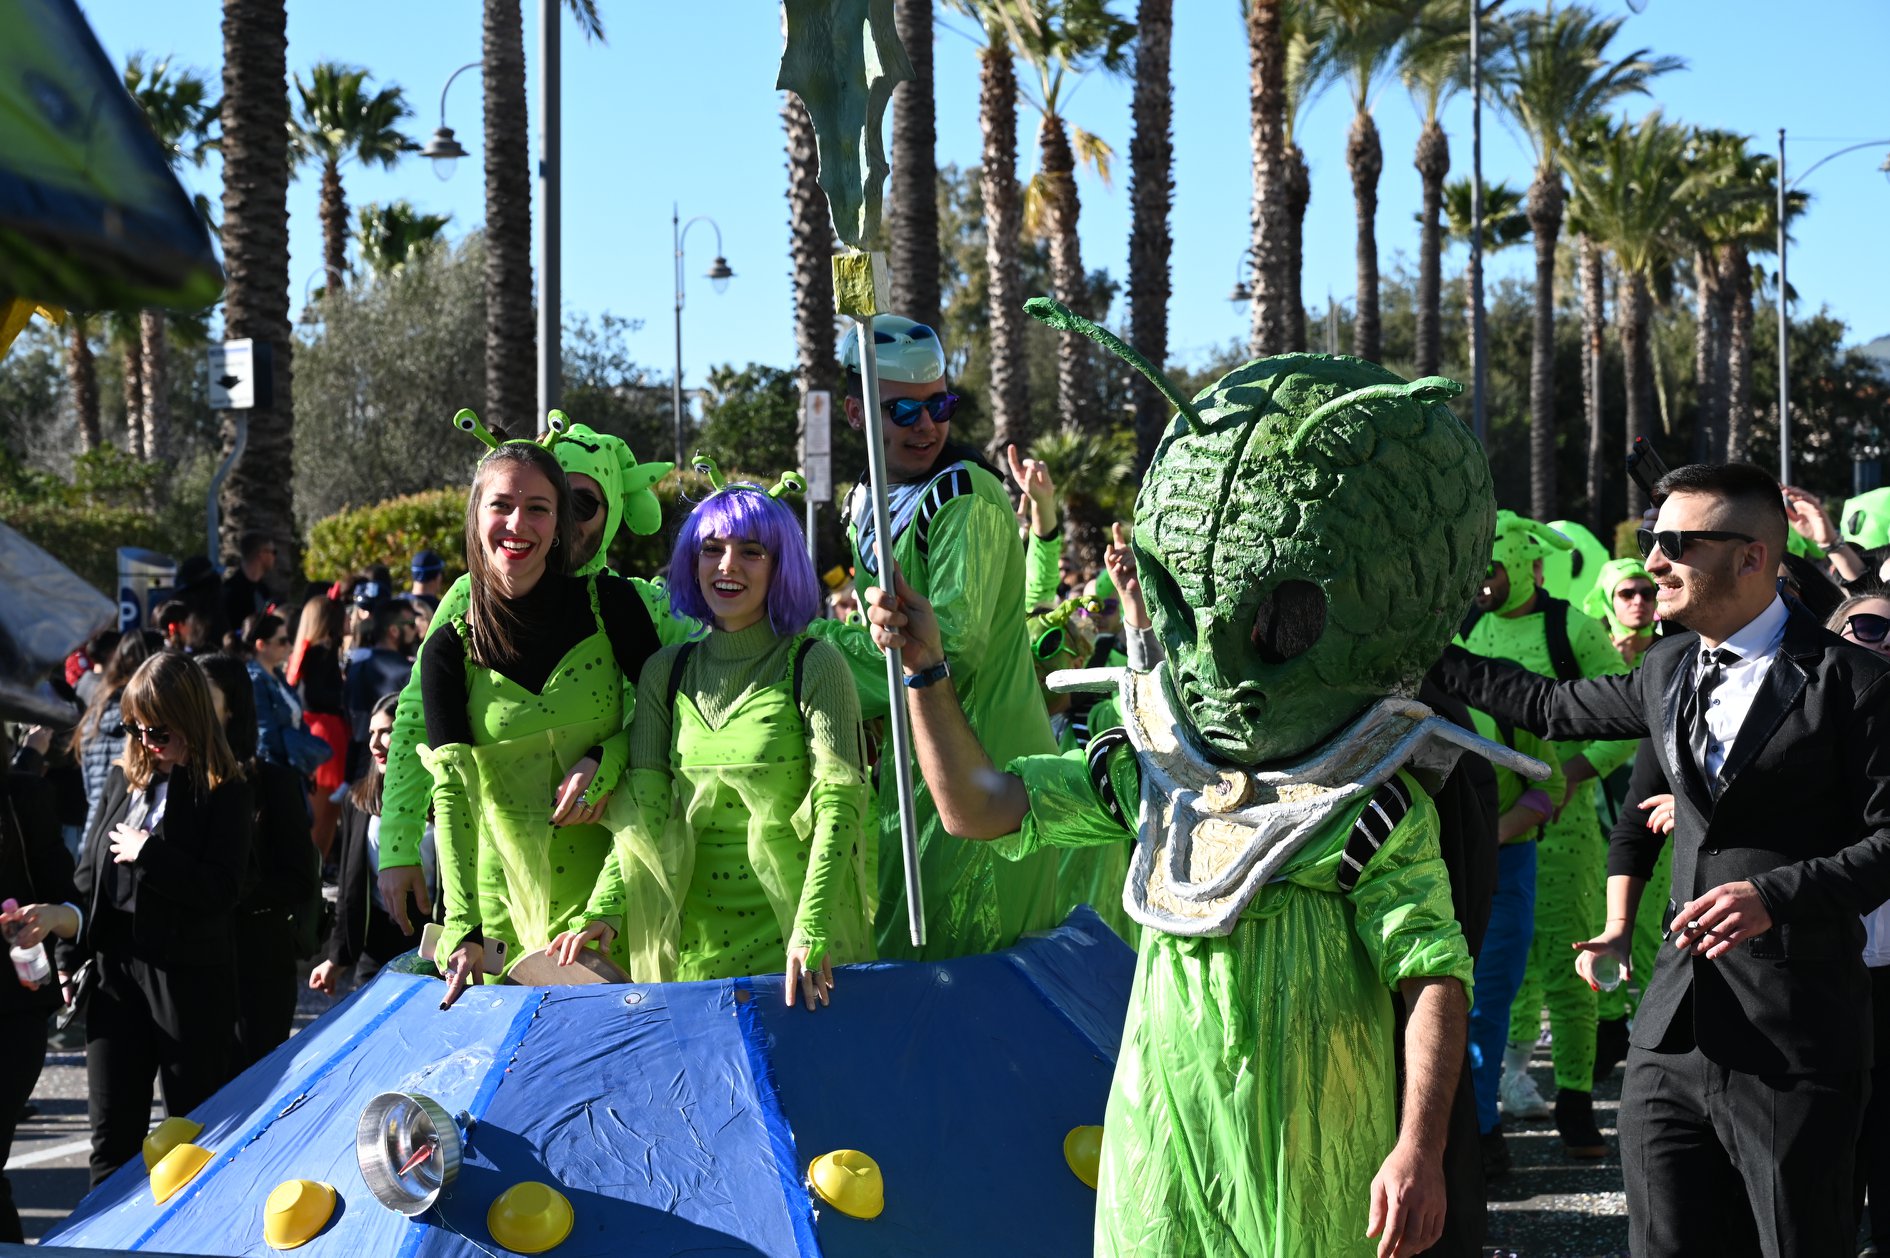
point(365, 794)
point(170, 690)
point(320, 626)
point(137, 646)
point(493, 624)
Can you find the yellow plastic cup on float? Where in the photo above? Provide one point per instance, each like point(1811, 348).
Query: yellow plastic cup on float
point(1082, 1149)
point(530, 1218)
point(296, 1212)
point(166, 1136)
point(850, 1182)
point(177, 1168)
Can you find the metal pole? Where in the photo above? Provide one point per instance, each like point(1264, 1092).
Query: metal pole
point(895, 667)
point(239, 422)
point(675, 387)
point(1480, 423)
point(1784, 334)
point(550, 212)
point(813, 550)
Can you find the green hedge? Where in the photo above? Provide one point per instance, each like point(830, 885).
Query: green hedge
point(86, 537)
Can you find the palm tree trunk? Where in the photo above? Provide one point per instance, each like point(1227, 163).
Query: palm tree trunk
point(511, 334)
point(132, 359)
point(1365, 158)
point(1727, 261)
point(1298, 193)
point(255, 122)
point(1594, 320)
point(334, 216)
point(1275, 280)
point(1057, 168)
point(1707, 332)
point(82, 380)
point(1151, 193)
point(1739, 360)
point(153, 353)
point(1546, 196)
point(1635, 310)
point(1433, 164)
point(810, 232)
point(915, 281)
point(1003, 229)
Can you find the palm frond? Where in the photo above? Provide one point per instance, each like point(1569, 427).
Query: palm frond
point(1092, 151)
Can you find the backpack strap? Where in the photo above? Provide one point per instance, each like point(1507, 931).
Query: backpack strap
point(1097, 754)
point(800, 660)
point(1555, 634)
point(1387, 807)
point(676, 672)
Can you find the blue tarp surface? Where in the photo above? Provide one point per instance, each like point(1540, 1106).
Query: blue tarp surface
point(679, 1118)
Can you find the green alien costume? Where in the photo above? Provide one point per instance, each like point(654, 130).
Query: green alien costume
point(1309, 537)
point(749, 786)
point(1622, 1001)
point(408, 789)
point(1572, 855)
point(956, 542)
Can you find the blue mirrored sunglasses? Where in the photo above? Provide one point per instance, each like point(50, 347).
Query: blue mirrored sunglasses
point(905, 411)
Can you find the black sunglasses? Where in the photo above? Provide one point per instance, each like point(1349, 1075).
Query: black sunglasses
point(1673, 543)
point(155, 735)
point(584, 505)
point(1110, 606)
point(905, 411)
point(1868, 627)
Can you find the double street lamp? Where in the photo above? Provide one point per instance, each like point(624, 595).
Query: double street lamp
point(718, 275)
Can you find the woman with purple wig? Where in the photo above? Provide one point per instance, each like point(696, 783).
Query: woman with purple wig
point(739, 840)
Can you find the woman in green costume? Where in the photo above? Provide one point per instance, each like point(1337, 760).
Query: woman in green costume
point(524, 702)
point(742, 845)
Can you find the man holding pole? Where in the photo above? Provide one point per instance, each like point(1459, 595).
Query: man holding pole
point(954, 536)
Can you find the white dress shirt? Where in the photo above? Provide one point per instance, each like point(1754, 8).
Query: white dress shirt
point(1757, 646)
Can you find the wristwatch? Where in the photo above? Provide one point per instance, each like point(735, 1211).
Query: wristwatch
point(927, 676)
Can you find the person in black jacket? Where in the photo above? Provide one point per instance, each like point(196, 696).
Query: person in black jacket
point(36, 871)
point(1752, 1046)
point(364, 937)
point(164, 866)
point(278, 919)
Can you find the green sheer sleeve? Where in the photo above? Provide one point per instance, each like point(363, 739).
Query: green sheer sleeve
point(834, 904)
point(408, 787)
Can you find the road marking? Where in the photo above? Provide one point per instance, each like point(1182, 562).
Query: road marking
point(50, 1154)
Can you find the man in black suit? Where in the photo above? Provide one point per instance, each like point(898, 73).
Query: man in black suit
point(1752, 1046)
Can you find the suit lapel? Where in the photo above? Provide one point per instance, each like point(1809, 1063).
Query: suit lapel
point(1784, 683)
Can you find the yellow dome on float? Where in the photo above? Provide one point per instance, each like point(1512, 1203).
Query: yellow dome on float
point(166, 1136)
point(296, 1212)
point(1082, 1149)
point(850, 1182)
point(177, 1168)
point(530, 1218)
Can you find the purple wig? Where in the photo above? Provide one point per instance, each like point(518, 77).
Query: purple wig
point(749, 514)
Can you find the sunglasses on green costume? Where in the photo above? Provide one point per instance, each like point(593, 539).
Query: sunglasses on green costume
point(1631, 593)
point(584, 505)
point(1673, 543)
point(1868, 627)
point(905, 411)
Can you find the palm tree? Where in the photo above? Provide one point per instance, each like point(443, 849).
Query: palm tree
point(255, 148)
point(1712, 216)
point(1630, 180)
point(82, 379)
point(1151, 191)
point(1364, 37)
point(1504, 225)
point(1310, 69)
point(389, 236)
point(1591, 278)
point(811, 236)
point(1435, 66)
point(915, 283)
point(1552, 76)
point(1276, 304)
point(511, 334)
point(124, 332)
point(178, 107)
point(1063, 39)
point(339, 119)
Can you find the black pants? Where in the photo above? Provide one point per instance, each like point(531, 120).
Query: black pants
point(1699, 1142)
point(1873, 1146)
point(22, 1057)
point(145, 1021)
point(266, 983)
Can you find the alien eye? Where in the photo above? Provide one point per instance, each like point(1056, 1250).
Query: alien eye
point(1289, 622)
point(466, 421)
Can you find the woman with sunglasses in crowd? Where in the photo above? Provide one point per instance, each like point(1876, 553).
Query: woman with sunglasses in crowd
point(524, 698)
point(265, 648)
point(165, 860)
point(747, 772)
point(97, 740)
point(278, 920)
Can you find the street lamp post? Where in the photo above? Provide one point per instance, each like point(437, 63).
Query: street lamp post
point(1784, 325)
point(718, 275)
point(443, 150)
point(550, 211)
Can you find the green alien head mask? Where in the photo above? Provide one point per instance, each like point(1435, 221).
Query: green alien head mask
point(1309, 534)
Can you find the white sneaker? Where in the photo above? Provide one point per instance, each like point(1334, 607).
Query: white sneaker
point(1518, 1097)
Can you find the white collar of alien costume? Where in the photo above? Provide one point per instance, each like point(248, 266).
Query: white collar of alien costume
point(1210, 836)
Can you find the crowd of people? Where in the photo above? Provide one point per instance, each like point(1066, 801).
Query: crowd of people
point(679, 775)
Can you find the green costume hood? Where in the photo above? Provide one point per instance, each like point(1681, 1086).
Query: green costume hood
point(1520, 542)
point(1570, 574)
point(1866, 522)
point(628, 498)
point(1599, 602)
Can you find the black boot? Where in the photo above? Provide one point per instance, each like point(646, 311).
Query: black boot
point(1611, 1045)
point(1575, 1123)
point(1495, 1153)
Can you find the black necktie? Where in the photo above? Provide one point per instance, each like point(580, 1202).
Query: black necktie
point(1713, 670)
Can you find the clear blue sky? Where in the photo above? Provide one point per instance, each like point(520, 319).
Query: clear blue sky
point(679, 105)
